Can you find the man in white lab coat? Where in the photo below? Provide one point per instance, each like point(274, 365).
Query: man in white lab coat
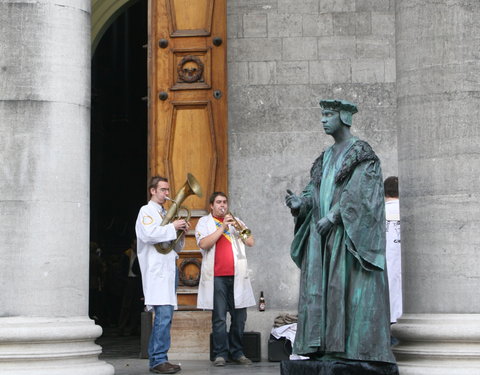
point(224, 281)
point(158, 271)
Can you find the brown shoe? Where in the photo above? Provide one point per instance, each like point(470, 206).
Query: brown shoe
point(177, 367)
point(242, 360)
point(165, 368)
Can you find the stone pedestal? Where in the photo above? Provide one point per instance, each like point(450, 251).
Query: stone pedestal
point(190, 335)
point(44, 194)
point(438, 108)
point(440, 344)
point(50, 346)
point(337, 368)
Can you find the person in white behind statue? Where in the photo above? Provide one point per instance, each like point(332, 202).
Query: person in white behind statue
point(393, 247)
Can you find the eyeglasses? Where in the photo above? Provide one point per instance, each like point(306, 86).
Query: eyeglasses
point(163, 190)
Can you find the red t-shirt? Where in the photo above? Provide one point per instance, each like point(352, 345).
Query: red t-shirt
point(224, 264)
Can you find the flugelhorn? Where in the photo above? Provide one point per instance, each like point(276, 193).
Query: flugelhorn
point(190, 187)
point(244, 232)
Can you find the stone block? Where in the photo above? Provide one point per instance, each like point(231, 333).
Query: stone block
point(296, 96)
point(330, 71)
point(261, 73)
point(375, 47)
point(245, 99)
point(284, 25)
point(292, 72)
point(317, 24)
point(251, 6)
point(234, 26)
point(390, 70)
point(255, 49)
point(298, 6)
point(337, 6)
point(190, 334)
point(237, 73)
point(299, 49)
point(374, 5)
point(255, 25)
point(368, 71)
point(337, 47)
point(383, 24)
point(358, 23)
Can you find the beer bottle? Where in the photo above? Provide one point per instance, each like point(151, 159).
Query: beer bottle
point(261, 302)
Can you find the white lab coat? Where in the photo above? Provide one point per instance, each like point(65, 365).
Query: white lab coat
point(242, 288)
point(394, 258)
point(158, 270)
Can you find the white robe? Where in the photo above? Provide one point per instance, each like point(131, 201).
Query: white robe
point(394, 258)
point(242, 288)
point(158, 270)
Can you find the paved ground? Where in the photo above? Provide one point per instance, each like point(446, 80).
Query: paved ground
point(132, 366)
point(123, 354)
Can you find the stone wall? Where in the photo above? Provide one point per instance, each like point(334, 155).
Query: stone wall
point(283, 57)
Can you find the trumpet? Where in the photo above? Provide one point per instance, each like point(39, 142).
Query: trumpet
point(244, 232)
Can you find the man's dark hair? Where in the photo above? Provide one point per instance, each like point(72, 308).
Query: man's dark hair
point(154, 182)
point(215, 195)
point(391, 187)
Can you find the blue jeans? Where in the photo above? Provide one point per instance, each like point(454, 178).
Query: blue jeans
point(160, 337)
point(226, 344)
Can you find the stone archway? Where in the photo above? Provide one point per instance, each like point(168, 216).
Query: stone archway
point(104, 12)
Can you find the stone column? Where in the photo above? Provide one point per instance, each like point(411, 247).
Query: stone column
point(44, 189)
point(438, 110)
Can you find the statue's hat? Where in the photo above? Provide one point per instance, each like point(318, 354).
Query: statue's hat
point(345, 108)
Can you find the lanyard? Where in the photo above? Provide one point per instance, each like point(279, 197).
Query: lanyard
point(226, 233)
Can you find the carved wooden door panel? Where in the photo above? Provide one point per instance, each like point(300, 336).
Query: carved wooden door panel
point(187, 76)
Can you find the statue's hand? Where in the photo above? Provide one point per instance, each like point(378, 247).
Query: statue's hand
point(323, 226)
point(293, 201)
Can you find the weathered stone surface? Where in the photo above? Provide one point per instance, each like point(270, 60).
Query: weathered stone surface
point(337, 47)
point(330, 71)
point(299, 6)
point(295, 72)
point(337, 6)
point(284, 25)
point(299, 49)
point(255, 49)
point(255, 25)
point(318, 24)
point(368, 71)
point(359, 23)
point(261, 72)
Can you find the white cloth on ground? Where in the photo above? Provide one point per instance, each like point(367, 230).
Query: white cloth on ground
point(288, 331)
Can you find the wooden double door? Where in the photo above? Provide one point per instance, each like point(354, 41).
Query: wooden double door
point(187, 77)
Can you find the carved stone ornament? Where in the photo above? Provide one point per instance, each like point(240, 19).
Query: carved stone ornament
point(190, 69)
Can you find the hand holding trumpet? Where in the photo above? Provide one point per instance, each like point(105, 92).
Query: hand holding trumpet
point(243, 231)
point(229, 219)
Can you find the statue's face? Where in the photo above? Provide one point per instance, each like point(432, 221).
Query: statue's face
point(331, 121)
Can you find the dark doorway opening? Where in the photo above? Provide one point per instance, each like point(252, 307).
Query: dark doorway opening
point(119, 138)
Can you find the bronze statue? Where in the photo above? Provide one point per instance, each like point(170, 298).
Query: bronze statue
point(339, 245)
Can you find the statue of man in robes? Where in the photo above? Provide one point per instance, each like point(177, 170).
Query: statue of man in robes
point(339, 245)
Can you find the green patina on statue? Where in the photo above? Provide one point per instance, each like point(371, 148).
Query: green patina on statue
point(339, 245)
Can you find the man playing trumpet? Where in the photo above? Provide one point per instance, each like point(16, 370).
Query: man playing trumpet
point(224, 282)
